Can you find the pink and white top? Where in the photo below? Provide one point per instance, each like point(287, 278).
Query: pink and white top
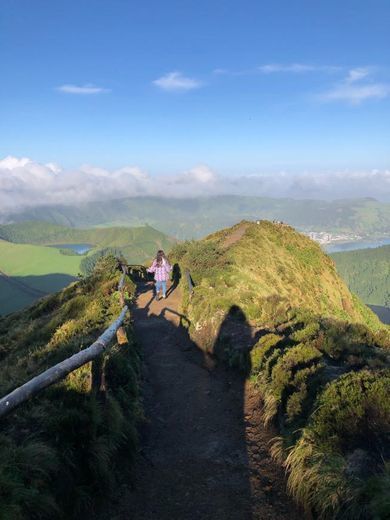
point(161, 272)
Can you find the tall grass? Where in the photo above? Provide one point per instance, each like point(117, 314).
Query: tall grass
point(321, 363)
point(62, 451)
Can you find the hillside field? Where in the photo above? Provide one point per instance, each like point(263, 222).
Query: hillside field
point(29, 271)
point(136, 243)
point(29, 264)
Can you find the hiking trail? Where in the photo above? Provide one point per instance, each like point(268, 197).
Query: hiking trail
point(204, 451)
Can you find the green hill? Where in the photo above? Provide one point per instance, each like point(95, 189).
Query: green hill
point(30, 264)
point(367, 273)
point(137, 244)
point(61, 452)
point(268, 301)
point(270, 269)
point(32, 260)
point(196, 217)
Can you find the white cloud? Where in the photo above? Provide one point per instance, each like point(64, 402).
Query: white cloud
point(26, 184)
point(292, 67)
point(295, 68)
point(356, 94)
point(201, 175)
point(83, 90)
point(354, 88)
point(219, 72)
point(357, 74)
point(175, 81)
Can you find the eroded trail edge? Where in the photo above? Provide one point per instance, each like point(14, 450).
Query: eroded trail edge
point(204, 451)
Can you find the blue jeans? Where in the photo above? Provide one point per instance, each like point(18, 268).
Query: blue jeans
point(161, 285)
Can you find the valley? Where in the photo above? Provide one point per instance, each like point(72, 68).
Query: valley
point(187, 218)
point(38, 258)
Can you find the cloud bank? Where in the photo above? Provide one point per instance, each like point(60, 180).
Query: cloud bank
point(26, 184)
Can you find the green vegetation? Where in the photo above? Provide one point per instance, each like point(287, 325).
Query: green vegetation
point(31, 271)
point(137, 244)
point(192, 218)
point(32, 260)
point(62, 451)
point(367, 273)
point(269, 301)
point(48, 269)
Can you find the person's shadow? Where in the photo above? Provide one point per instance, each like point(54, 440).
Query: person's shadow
point(235, 340)
point(176, 276)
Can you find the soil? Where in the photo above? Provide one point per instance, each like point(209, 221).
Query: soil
point(235, 236)
point(204, 452)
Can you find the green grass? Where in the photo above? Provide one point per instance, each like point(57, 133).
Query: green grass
point(321, 363)
point(33, 260)
point(269, 271)
point(62, 452)
point(38, 267)
point(24, 257)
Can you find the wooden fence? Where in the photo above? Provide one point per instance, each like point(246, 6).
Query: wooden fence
point(61, 370)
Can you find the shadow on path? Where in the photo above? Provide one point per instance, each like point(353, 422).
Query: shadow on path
point(199, 459)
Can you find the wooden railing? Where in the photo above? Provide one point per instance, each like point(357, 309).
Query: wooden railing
point(189, 282)
point(61, 370)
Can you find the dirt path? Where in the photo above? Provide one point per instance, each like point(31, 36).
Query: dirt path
point(235, 236)
point(203, 449)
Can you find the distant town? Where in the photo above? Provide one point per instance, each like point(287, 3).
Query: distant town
point(323, 237)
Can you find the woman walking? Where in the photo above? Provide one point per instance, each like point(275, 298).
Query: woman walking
point(161, 269)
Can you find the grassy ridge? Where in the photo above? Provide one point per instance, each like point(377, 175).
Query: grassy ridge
point(61, 452)
point(191, 218)
point(367, 273)
point(268, 301)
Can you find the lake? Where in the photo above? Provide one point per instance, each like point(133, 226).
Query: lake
point(352, 246)
point(80, 249)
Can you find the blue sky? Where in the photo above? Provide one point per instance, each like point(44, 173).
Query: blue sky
point(241, 86)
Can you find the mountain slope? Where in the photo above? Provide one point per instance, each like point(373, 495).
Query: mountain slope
point(61, 452)
point(269, 302)
point(367, 273)
point(191, 218)
point(271, 270)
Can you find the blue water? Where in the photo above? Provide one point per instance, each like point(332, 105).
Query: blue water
point(352, 246)
point(80, 249)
